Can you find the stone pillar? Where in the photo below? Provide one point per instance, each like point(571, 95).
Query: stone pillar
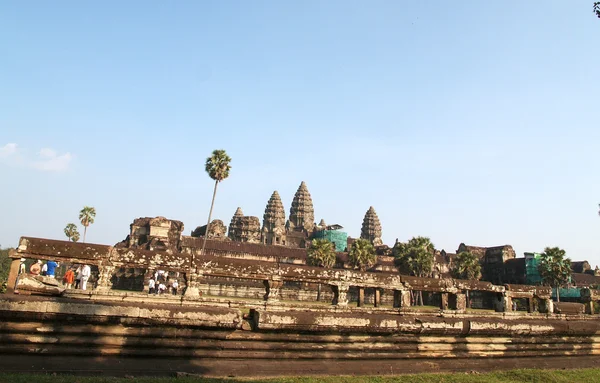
point(506, 303)
point(272, 288)
point(377, 297)
point(444, 301)
point(105, 273)
point(192, 285)
point(340, 294)
point(13, 274)
point(530, 305)
point(401, 298)
point(461, 302)
point(361, 297)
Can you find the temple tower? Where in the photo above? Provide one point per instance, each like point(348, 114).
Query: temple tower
point(273, 231)
point(233, 233)
point(302, 213)
point(371, 227)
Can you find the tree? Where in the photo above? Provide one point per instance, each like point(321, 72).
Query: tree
point(597, 8)
point(466, 266)
point(414, 258)
point(5, 262)
point(554, 268)
point(71, 232)
point(321, 253)
point(362, 254)
point(86, 216)
point(217, 166)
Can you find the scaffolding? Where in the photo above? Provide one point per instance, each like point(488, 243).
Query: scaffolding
point(333, 235)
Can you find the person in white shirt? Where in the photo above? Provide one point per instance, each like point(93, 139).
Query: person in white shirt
point(44, 269)
point(174, 286)
point(162, 288)
point(86, 271)
point(151, 286)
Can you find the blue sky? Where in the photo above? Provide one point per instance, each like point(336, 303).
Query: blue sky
point(471, 121)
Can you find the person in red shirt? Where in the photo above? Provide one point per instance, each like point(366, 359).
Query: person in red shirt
point(69, 278)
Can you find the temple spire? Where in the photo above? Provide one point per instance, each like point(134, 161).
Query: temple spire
point(371, 227)
point(273, 231)
point(302, 213)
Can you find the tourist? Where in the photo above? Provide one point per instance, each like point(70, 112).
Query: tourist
point(69, 278)
point(44, 269)
point(151, 285)
point(36, 268)
point(162, 288)
point(161, 275)
point(86, 271)
point(21, 271)
point(174, 286)
point(78, 277)
point(51, 268)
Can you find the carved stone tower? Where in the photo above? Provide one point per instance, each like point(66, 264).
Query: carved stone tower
point(371, 227)
point(302, 213)
point(234, 233)
point(273, 231)
point(244, 228)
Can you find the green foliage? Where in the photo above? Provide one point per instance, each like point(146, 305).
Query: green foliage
point(5, 262)
point(466, 266)
point(321, 253)
point(597, 8)
point(217, 165)
point(362, 254)
point(554, 268)
point(86, 216)
point(414, 257)
point(71, 232)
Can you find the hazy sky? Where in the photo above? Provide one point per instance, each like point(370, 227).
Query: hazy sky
point(470, 121)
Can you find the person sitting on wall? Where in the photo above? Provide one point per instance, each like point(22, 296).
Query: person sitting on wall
point(69, 278)
point(151, 285)
point(51, 268)
point(36, 268)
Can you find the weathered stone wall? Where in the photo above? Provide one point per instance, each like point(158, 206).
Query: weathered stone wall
point(164, 337)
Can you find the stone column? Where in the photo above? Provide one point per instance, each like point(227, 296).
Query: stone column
point(461, 302)
point(361, 297)
point(340, 294)
point(401, 298)
point(13, 274)
point(105, 273)
point(530, 305)
point(506, 303)
point(192, 285)
point(377, 298)
point(272, 288)
point(444, 301)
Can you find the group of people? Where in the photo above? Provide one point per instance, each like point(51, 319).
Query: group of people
point(161, 283)
point(77, 276)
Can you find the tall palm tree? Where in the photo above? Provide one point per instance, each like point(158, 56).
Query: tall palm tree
point(217, 166)
point(554, 268)
point(71, 232)
point(415, 258)
point(362, 254)
point(321, 253)
point(86, 216)
point(466, 266)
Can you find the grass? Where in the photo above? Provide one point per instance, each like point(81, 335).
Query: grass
point(511, 376)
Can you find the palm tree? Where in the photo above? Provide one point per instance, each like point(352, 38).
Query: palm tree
point(466, 266)
point(86, 216)
point(321, 253)
point(414, 258)
point(362, 254)
point(71, 232)
point(217, 166)
point(554, 268)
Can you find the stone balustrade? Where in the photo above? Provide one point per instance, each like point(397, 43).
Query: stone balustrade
point(222, 261)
